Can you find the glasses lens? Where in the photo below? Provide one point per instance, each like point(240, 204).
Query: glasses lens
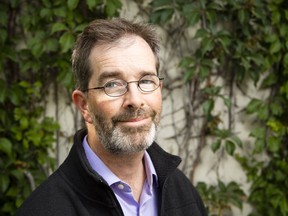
point(115, 88)
point(149, 83)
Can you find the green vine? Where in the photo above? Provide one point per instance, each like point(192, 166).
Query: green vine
point(240, 42)
point(36, 38)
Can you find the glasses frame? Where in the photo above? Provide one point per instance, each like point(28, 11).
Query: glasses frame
point(126, 87)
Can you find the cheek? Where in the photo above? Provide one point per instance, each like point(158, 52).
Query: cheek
point(104, 109)
point(157, 101)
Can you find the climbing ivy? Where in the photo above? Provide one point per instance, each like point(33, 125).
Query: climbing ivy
point(240, 42)
point(36, 38)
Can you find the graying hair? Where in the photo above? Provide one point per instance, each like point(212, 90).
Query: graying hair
point(107, 32)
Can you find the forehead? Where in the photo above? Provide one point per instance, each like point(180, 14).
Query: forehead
point(129, 57)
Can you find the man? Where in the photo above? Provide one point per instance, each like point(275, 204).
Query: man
point(114, 166)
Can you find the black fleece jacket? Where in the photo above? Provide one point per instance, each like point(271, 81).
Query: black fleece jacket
point(75, 189)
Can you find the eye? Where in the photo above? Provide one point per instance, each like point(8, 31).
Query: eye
point(114, 84)
point(149, 80)
point(146, 81)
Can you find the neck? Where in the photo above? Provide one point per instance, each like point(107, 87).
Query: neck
point(129, 168)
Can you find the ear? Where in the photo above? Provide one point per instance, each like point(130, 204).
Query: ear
point(161, 84)
point(81, 102)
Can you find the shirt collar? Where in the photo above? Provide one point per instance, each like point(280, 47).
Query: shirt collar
point(150, 171)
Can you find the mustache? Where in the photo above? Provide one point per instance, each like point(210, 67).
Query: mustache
point(134, 113)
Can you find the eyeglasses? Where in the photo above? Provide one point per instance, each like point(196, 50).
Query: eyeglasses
point(118, 87)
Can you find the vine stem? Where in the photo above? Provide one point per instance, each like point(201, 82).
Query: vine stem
point(31, 180)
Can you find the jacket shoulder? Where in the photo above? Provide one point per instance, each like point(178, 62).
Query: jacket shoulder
point(50, 198)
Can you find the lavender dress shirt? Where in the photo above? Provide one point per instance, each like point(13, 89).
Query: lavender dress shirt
point(123, 192)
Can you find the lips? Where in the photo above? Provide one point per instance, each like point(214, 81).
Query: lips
point(134, 122)
point(135, 119)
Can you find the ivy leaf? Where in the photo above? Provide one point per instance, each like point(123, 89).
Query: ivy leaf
point(166, 15)
point(285, 59)
point(15, 95)
point(221, 185)
point(284, 89)
point(276, 16)
point(208, 106)
point(242, 16)
point(227, 101)
point(189, 74)
point(4, 183)
point(58, 27)
point(236, 140)
point(207, 45)
point(211, 15)
point(221, 133)
point(45, 12)
point(284, 205)
point(271, 38)
point(24, 123)
point(274, 144)
point(192, 13)
point(3, 90)
point(230, 147)
point(201, 33)
point(65, 78)
point(6, 146)
point(66, 41)
point(203, 72)
point(275, 47)
point(225, 42)
point(216, 145)
point(91, 4)
point(51, 45)
point(112, 6)
point(72, 4)
point(254, 106)
point(255, 75)
point(80, 28)
point(193, 18)
point(3, 35)
point(270, 80)
point(259, 145)
point(258, 132)
point(263, 112)
point(37, 49)
point(60, 12)
point(275, 125)
point(212, 90)
point(17, 174)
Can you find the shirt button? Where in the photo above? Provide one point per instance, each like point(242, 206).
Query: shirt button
point(121, 186)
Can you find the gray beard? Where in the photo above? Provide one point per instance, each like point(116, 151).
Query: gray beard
point(125, 140)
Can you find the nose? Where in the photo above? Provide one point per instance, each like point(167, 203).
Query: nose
point(133, 97)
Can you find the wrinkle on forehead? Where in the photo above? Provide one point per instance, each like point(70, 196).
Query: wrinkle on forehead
point(122, 42)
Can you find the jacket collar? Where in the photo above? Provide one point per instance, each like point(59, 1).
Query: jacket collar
point(77, 171)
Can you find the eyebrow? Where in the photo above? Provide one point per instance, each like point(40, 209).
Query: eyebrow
point(117, 75)
point(106, 75)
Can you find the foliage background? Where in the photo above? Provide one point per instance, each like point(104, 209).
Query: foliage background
point(235, 43)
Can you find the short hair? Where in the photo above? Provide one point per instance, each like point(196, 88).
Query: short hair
point(103, 31)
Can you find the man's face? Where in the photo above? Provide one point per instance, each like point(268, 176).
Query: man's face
point(127, 123)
